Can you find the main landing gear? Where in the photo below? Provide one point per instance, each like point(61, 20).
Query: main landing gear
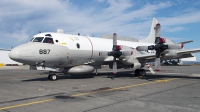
point(52, 76)
point(141, 73)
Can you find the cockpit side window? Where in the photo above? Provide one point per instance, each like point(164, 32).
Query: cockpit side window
point(31, 39)
point(48, 40)
point(38, 39)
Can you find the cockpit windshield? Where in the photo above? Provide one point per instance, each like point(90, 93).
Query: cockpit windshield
point(38, 39)
point(48, 40)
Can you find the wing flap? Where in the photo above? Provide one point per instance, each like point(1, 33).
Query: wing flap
point(145, 56)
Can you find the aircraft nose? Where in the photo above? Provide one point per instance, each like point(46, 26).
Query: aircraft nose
point(14, 54)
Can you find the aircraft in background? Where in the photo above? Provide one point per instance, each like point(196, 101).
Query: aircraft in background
point(81, 55)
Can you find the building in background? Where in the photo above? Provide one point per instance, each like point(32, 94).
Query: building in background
point(5, 60)
point(188, 61)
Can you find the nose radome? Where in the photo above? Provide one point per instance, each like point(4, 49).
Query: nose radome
point(14, 54)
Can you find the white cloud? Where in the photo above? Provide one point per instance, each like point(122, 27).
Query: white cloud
point(14, 38)
point(175, 29)
point(101, 1)
point(191, 17)
point(196, 3)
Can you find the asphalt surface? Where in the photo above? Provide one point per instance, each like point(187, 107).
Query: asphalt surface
point(174, 89)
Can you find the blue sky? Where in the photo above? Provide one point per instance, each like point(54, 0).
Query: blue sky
point(21, 19)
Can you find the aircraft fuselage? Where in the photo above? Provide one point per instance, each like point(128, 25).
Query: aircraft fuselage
point(66, 50)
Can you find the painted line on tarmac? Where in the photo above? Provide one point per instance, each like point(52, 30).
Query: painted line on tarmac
point(119, 88)
point(88, 93)
point(19, 77)
point(26, 104)
point(164, 73)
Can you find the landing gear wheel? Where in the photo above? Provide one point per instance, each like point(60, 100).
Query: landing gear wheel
point(137, 71)
point(142, 74)
point(53, 77)
point(49, 77)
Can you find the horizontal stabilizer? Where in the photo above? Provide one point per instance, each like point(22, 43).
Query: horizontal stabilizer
point(185, 42)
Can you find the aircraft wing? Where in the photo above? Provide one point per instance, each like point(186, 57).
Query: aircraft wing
point(145, 56)
point(188, 51)
point(189, 55)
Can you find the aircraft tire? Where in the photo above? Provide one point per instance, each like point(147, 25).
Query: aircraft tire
point(142, 74)
point(137, 71)
point(53, 77)
point(49, 77)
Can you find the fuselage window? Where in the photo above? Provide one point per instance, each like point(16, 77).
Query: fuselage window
point(38, 39)
point(48, 40)
point(78, 45)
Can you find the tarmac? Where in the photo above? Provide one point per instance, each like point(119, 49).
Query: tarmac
point(173, 89)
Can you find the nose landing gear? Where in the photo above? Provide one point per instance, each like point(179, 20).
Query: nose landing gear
point(52, 76)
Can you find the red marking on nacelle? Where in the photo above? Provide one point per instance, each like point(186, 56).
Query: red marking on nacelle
point(114, 73)
point(131, 52)
point(119, 47)
point(137, 48)
point(182, 45)
point(114, 34)
point(162, 40)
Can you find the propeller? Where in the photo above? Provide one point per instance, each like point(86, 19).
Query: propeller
point(159, 46)
point(116, 53)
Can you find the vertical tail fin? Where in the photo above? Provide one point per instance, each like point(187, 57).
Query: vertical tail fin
point(151, 37)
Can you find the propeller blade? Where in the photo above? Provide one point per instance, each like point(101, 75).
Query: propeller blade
point(158, 33)
point(157, 40)
point(157, 54)
point(114, 39)
point(114, 67)
point(158, 30)
point(157, 64)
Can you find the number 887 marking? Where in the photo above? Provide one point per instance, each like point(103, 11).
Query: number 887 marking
point(44, 51)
